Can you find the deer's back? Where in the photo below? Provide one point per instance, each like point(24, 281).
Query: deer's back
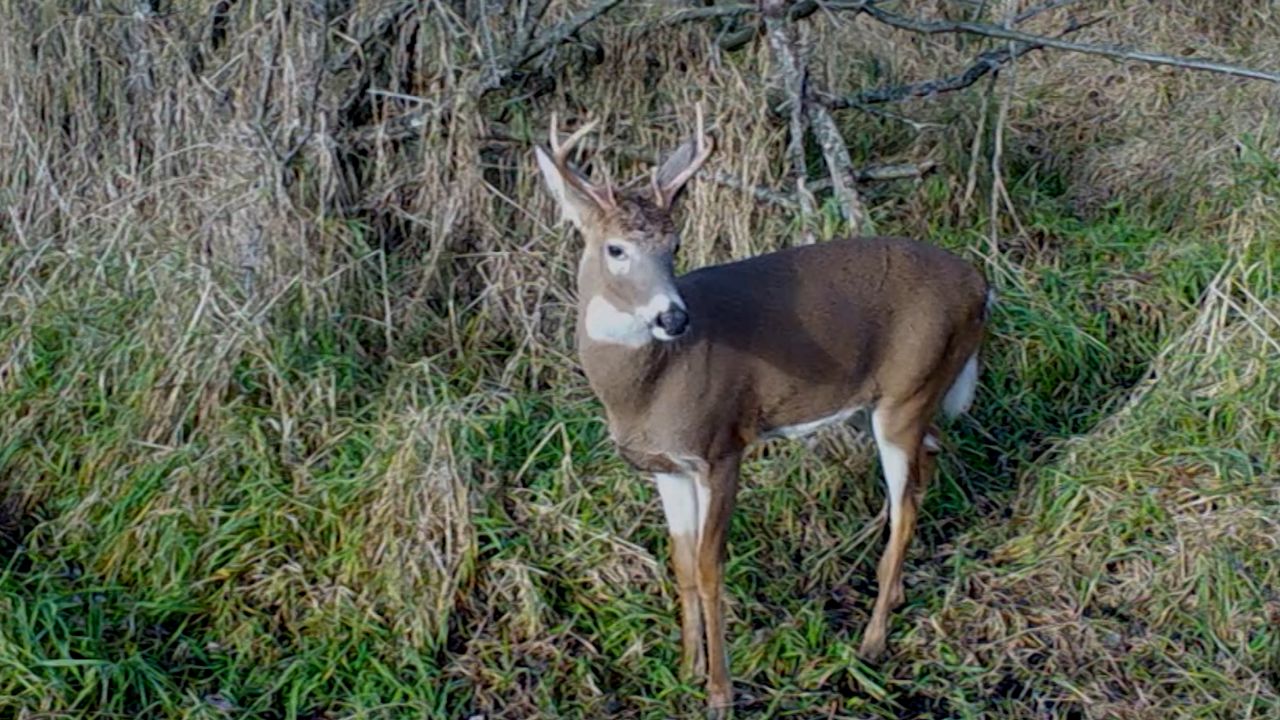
point(817, 328)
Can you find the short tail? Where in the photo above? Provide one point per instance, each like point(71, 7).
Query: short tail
point(959, 396)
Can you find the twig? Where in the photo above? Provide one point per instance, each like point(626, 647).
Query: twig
point(975, 150)
point(959, 26)
point(997, 157)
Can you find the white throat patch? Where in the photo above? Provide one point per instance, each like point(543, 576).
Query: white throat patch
point(607, 324)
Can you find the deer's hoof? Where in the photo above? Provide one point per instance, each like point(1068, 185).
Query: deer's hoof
point(720, 699)
point(872, 646)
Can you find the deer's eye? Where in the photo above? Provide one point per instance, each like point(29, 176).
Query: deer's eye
point(615, 251)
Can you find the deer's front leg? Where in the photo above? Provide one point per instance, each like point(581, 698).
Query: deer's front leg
point(718, 487)
point(680, 505)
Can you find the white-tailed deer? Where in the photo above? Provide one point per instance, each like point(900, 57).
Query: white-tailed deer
point(693, 369)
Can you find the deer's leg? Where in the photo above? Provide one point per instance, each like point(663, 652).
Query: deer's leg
point(718, 487)
point(680, 505)
point(926, 457)
point(899, 434)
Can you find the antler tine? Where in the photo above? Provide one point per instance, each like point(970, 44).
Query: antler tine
point(560, 151)
point(602, 194)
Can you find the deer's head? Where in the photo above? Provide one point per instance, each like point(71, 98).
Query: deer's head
point(626, 276)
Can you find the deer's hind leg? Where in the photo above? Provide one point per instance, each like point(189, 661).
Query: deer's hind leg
point(719, 493)
point(900, 431)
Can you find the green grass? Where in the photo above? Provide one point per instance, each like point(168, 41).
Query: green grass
point(207, 519)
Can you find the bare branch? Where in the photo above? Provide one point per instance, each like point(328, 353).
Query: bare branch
point(1035, 10)
point(561, 32)
point(804, 8)
point(839, 166)
point(985, 64)
point(409, 123)
point(1118, 53)
point(773, 197)
point(708, 12)
point(793, 82)
point(743, 36)
point(872, 173)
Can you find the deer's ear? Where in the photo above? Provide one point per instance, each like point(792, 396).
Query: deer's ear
point(675, 165)
point(682, 165)
point(575, 206)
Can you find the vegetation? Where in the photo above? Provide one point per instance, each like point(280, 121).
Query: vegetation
point(292, 426)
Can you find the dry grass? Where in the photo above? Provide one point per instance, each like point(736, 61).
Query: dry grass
point(293, 426)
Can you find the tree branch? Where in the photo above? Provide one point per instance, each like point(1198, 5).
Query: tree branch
point(741, 37)
point(931, 27)
point(872, 173)
point(793, 82)
point(561, 32)
point(496, 76)
point(985, 64)
point(1035, 10)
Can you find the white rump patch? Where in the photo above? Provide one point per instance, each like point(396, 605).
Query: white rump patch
point(607, 324)
point(896, 468)
point(803, 429)
point(960, 396)
point(680, 503)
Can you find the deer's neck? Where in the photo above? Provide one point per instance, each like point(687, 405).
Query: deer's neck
point(625, 368)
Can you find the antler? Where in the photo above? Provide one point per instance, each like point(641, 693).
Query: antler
point(664, 193)
point(601, 194)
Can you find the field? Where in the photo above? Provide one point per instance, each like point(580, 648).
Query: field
point(291, 424)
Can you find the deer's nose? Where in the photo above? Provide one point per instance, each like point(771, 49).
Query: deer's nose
point(674, 321)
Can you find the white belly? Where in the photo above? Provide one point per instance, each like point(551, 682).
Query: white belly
point(811, 427)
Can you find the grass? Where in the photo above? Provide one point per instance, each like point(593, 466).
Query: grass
point(310, 442)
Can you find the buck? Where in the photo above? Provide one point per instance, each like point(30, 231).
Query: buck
point(692, 370)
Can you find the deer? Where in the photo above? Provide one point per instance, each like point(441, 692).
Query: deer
point(694, 369)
